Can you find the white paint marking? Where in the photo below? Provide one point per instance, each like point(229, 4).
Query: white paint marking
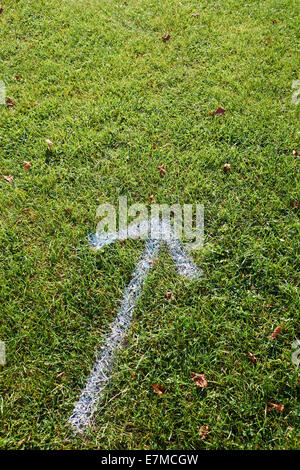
point(2, 353)
point(101, 372)
point(296, 354)
point(295, 96)
point(2, 92)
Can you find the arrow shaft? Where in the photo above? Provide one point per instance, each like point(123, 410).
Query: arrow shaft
point(96, 382)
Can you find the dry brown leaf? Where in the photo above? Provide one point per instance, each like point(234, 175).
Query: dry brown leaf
point(227, 167)
point(26, 211)
point(295, 204)
point(162, 169)
point(23, 440)
point(252, 357)
point(8, 178)
point(199, 380)
point(10, 102)
point(219, 111)
point(166, 37)
point(27, 165)
point(33, 278)
point(203, 431)
point(159, 389)
point(1, 10)
point(275, 332)
point(49, 143)
point(275, 406)
point(170, 296)
point(30, 214)
point(18, 77)
point(296, 153)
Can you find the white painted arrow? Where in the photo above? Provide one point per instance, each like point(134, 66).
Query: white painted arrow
point(101, 372)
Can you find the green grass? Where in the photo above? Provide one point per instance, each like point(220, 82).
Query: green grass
point(97, 79)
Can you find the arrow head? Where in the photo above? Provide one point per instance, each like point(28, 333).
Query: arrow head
point(161, 231)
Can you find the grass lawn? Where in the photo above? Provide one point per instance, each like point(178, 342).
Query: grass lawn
point(96, 78)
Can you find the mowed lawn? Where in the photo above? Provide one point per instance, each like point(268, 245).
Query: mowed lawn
point(117, 101)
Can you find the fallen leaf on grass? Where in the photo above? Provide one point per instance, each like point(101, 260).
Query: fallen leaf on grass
point(49, 143)
point(23, 440)
point(219, 111)
point(275, 406)
point(33, 278)
point(32, 216)
point(166, 37)
point(252, 357)
point(162, 169)
point(26, 211)
point(199, 380)
point(159, 389)
point(170, 296)
point(227, 167)
point(295, 204)
point(275, 332)
point(27, 165)
point(8, 178)
point(296, 153)
point(1, 10)
point(268, 40)
point(10, 102)
point(203, 431)
point(18, 77)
